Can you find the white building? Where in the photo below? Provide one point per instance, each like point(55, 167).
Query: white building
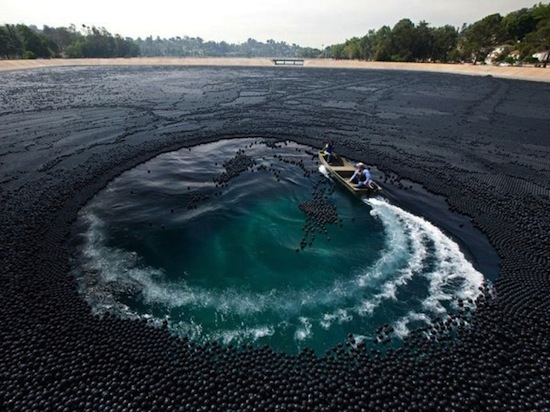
point(542, 56)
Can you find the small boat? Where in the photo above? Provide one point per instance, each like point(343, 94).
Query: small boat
point(342, 170)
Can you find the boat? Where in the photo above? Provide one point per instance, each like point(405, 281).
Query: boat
point(342, 170)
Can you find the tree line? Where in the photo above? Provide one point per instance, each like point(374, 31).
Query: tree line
point(518, 36)
point(197, 47)
point(28, 42)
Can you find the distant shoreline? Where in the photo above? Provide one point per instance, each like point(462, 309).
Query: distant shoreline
point(517, 73)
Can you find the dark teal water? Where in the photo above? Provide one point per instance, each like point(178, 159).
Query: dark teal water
point(236, 261)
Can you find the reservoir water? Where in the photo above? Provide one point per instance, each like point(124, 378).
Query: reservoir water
point(214, 241)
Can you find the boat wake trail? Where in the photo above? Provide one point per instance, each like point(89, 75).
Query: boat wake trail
point(419, 274)
point(422, 259)
point(229, 270)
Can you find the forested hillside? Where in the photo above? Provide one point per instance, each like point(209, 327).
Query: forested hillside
point(519, 34)
point(514, 38)
point(196, 47)
point(29, 42)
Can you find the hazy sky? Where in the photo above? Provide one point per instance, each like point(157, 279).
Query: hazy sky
point(306, 22)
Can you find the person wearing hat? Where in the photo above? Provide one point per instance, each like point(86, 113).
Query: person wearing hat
point(329, 150)
point(361, 177)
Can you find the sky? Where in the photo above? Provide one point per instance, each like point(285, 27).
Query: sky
point(308, 23)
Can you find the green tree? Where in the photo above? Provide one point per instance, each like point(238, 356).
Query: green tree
point(352, 49)
point(63, 37)
point(3, 42)
point(479, 39)
point(34, 44)
point(74, 50)
point(537, 40)
point(445, 40)
point(11, 46)
point(540, 40)
point(518, 24)
point(337, 51)
point(423, 42)
point(403, 41)
point(367, 45)
point(383, 44)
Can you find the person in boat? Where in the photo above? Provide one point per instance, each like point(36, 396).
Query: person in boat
point(362, 177)
point(329, 151)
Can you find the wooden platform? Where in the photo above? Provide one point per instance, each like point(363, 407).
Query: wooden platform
point(288, 62)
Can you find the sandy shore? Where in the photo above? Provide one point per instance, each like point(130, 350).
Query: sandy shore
point(519, 73)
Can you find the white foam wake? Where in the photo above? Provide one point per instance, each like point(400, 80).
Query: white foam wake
point(418, 264)
point(449, 274)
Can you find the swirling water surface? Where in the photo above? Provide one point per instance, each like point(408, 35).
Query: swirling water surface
point(226, 255)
